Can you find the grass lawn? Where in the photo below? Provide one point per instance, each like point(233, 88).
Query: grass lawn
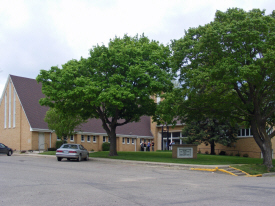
point(253, 165)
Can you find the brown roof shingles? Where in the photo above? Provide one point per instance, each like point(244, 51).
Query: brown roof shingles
point(29, 93)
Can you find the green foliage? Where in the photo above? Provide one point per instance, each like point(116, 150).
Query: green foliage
point(245, 155)
point(210, 131)
point(222, 153)
point(227, 70)
point(61, 122)
point(59, 143)
point(106, 146)
point(114, 84)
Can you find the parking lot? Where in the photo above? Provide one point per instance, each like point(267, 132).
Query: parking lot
point(31, 180)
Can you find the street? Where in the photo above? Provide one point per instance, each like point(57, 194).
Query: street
point(31, 180)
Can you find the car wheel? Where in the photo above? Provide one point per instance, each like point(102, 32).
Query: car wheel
point(59, 159)
point(87, 157)
point(9, 153)
point(68, 159)
point(79, 158)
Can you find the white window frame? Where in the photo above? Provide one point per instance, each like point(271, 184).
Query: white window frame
point(10, 105)
point(104, 139)
point(72, 138)
point(88, 138)
point(94, 139)
point(123, 140)
point(245, 131)
point(14, 107)
point(58, 138)
point(5, 113)
point(128, 140)
point(133, 141)
point(82, 138)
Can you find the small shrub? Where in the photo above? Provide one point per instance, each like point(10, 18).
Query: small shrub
point(238, 155)
point(106, 146)
point(206, 152)
point(51, 149)
point(222, 153)
point(58, 143)
point(245, 155)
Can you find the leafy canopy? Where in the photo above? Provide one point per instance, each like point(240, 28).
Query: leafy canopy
point(62, 123)
point(114, 84)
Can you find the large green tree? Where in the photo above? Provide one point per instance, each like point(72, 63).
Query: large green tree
point(115, 84)
point(62, 123)
point(227, 69)
point(210, 131)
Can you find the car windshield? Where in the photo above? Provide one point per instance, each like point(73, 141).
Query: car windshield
point(70, 146)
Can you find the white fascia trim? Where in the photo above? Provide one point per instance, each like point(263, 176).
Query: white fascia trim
point(40, 130)
point(3, 93)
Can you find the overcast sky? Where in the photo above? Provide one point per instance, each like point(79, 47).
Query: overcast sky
point(38, 34)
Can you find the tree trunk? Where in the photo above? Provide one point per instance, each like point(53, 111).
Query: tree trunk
point(112, 136)
point(111, 131)
point(264, 142)
point(212, 143)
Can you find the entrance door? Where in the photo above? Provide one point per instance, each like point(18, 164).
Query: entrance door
point(41, 141)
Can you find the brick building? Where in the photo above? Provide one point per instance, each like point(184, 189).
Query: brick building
point(23, 126)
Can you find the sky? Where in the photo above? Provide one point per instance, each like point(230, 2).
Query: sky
point(38, 34)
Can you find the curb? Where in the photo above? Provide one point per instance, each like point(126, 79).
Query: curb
point(231, 173)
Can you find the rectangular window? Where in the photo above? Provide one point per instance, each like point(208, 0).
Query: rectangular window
point(10, 105)
point(243, 132)
point(58, 138)
point(104, 139)
point(88, 138)
point(14, 107)
point(72, 138)
point(123, 140)
point(82, 138)
point(128, 140)
point(94, 138)
point(109, 139)
point(5, 113)
point(133, 141)
point(140, 141)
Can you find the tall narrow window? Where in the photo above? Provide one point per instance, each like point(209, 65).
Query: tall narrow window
point(14, 108)
point(5, 113)
point(10, 105)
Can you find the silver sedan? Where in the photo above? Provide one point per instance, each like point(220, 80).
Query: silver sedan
point(72, 151)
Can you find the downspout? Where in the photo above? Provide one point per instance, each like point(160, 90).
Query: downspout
point(51, 139)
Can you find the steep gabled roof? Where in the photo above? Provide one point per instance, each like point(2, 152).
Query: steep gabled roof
point(29, 93)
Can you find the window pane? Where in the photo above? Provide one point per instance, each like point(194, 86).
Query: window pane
point(243, 132)
point(176, 134)
point(247, 132)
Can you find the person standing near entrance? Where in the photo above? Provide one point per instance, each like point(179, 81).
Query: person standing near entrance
point(148, 146)
point(144, 146)
point(153, 146)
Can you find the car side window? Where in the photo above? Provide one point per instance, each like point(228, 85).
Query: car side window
point(81, 147)
point(2, 146)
